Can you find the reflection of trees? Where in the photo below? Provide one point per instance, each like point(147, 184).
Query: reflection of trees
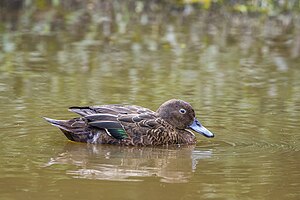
point(103, 162)
point(151, 24)
point(60, 29)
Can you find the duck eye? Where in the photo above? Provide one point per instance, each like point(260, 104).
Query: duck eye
point(182, 111)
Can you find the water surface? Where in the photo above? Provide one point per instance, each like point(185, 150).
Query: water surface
point(240, 73)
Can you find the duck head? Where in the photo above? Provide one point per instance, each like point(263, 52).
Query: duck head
point(181, 115)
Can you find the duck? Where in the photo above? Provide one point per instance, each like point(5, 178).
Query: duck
point(173, 123)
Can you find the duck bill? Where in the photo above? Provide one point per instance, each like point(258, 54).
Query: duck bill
point(197, 126)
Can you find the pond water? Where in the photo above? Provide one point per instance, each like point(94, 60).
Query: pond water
point(241, 74)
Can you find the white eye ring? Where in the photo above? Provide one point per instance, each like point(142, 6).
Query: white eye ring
point(182, 111)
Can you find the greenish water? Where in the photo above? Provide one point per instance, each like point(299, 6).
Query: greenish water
point(240, 73)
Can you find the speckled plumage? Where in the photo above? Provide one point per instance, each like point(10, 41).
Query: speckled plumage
point(133, 125)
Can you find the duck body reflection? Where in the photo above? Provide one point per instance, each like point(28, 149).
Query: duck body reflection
point(116, 163)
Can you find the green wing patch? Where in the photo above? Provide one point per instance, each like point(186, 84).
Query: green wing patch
point(117, 133)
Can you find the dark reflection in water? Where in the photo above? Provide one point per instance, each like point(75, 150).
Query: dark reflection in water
point(114, 163)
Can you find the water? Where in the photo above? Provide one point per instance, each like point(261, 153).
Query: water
point(241, 76)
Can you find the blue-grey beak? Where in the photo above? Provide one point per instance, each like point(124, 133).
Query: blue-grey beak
point(197, 126)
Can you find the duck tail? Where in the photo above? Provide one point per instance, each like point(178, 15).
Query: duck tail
point(58, 123)
point(70, 128)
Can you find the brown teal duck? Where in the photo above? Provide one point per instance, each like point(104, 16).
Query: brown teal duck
point(133, 125)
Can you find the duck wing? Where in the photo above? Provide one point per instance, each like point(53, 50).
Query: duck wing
point(124, 126)
point(109, 109)
point(107, 122)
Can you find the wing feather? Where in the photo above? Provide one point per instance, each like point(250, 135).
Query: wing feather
point(109, 109)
